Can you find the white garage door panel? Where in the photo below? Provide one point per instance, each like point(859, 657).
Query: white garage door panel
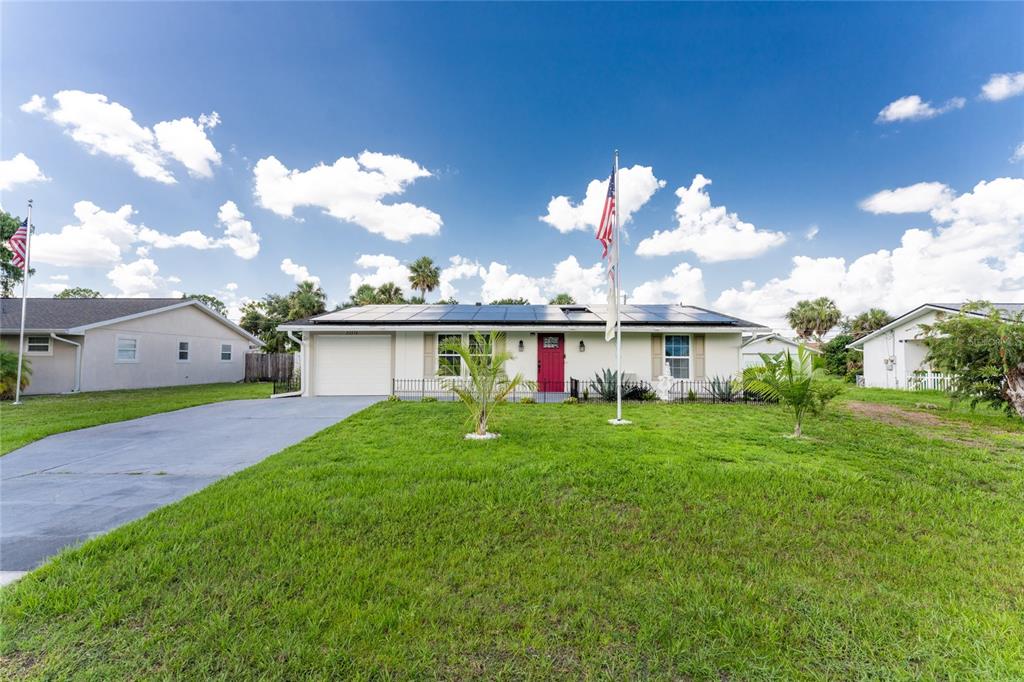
point(352, 365)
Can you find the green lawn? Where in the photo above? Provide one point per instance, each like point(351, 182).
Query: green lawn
point(40, 416)
point(699, 543)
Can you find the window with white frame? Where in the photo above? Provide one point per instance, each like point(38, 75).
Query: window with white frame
point(449, 364)
point(127, 349)
point(677, 355)
point(183, 349)
point(37, 345)
point(225, 352)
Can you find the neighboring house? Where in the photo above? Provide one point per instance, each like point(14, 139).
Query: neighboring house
point(97, 344)
point(769, 344)
point(895, 352)
point(361, 351)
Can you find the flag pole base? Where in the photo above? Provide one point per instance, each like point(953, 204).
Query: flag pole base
point(619, 422)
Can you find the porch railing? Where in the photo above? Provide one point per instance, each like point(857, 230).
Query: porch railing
point(589, 390)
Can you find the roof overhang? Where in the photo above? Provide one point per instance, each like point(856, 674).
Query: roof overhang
point(186, 303)
point(859, 343)
point(532, 327)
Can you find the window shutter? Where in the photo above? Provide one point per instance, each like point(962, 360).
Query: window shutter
point(698, 357)
point(429, 368)
point(657, 355)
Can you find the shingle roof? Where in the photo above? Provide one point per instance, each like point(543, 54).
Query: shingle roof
point(531, 315)
point(57, 314)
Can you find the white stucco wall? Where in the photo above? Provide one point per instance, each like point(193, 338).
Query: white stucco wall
point(51, 373)
point(902, 343)
point(722, 355)
point(409, 355)
point(157, 359)
point(600, 354)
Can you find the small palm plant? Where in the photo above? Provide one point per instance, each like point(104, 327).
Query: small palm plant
point(488, 385)
point(792, 380)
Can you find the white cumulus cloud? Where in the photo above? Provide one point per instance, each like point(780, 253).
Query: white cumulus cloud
point(19, 170)
point(352, 190)
point(917, 198)
point(458, 268)
point(1002, 86)
point(710, 232)
point(974, 251)
point(238, 233)
point(141, 279)
point(109, 128)
point(637, 185)
point(684, 285)
point(913, 108)
point(300, 273)
point(380, 268)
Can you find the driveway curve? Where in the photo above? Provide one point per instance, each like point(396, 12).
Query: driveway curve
point(69, 487)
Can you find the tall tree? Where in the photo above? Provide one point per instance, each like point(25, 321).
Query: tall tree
point(389, 292)
point(868, 321)
point(78, 292)
point(812, 319)
point(307, 300)
point(365, 295)
point(9, 274)
point(563, 299)
point(424, 276)
point(211, 302)
point(800, 318)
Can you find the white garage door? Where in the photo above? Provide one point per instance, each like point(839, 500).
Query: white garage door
point(352, 365)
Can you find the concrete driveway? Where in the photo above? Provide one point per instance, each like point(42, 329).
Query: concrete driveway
point(64, 489)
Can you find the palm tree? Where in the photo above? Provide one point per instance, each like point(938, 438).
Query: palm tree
point(793, 381)
point(868, 321)
point(801, 319)
point(563, 299)
point(826, 315)
point(307, 300)
point(488, 384)
point(389, 292)
point(424, 276)
point(365, 295)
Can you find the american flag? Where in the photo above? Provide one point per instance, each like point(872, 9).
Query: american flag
point(605, 229)
point(17, 245)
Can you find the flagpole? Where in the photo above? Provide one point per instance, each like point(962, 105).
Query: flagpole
point(24, 297)
point(618, 296)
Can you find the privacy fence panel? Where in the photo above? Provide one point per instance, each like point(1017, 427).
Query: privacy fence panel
point(276, 367)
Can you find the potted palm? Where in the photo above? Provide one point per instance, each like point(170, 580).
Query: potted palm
point(486, 385)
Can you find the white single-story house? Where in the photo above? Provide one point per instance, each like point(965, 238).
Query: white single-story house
point(367, 350)
point(99, 344)
point(769, 344)
point(895, 352)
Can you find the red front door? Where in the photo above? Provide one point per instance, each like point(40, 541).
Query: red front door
point(550, 363)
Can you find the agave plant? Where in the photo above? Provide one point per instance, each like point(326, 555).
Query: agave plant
point(9, 374)
point(488, 385)
point(792, 380)
point(605, 381)
point(725, 389)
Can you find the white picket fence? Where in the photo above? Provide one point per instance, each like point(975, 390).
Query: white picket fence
point(929, 381)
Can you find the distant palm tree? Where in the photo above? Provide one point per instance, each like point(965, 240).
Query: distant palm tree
point(868, 321)
point(365, 295)
point(307, 300)
point(563, 299)
point(389, 292)
point(424, 276)
point(811, 320)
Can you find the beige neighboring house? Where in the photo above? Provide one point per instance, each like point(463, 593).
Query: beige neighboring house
point(99, 344)
point(368, 350)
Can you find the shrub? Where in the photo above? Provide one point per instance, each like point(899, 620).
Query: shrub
point(428, 399)
point(571, 401)
point(839, 361)
point(794, 381)
point(527, 401)
point(605, 384)
point(9, 374)
point(393, 398)
point(691, 396)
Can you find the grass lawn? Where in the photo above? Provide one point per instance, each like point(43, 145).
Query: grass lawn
point(41, 416)
point(699, 543)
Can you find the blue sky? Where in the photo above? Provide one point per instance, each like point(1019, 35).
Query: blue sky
point(484, 113)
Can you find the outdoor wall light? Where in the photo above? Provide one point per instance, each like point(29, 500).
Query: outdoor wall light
point(522, 347)
point(583, 347)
